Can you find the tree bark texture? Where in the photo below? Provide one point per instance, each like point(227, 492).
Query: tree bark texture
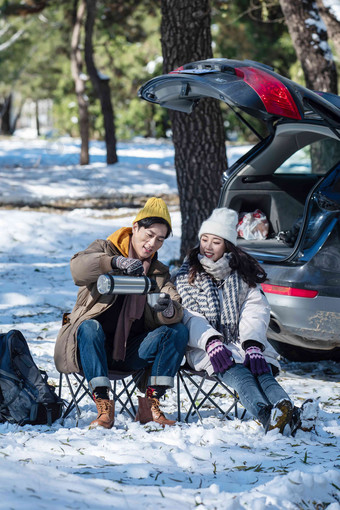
point(199, 138)
point(101, 86)
point(328, 14)
point(310, 39)
point(79, 82)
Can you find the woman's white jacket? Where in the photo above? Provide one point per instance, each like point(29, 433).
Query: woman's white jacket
point(253, 325)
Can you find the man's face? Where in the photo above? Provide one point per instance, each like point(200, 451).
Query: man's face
point(146, 241)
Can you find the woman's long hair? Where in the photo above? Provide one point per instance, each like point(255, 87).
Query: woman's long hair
point(249, 269)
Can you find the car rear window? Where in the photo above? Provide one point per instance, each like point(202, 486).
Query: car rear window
point(316, 158)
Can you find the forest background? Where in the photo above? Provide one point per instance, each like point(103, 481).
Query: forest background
point(86, 60)
point(43, 45)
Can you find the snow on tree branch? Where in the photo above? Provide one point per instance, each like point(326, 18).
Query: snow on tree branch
point(333, 6)
point(11, 40)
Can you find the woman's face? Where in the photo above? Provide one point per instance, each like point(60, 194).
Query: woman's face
point(212, 247)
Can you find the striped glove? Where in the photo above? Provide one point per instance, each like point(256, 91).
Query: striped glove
point(255, 361)
point(221, 358)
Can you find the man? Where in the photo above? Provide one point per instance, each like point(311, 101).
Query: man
point(122, 332)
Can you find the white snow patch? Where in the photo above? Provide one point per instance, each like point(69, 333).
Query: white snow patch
point(217, 464)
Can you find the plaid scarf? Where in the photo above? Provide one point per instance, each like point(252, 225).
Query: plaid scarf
point(204, 297)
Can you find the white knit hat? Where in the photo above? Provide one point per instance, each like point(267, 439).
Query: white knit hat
point(221, 223)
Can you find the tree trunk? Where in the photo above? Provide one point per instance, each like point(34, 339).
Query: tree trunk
point(329, 15)
point(79, 82)
point(199, 138)
point(310, 39)
point(101, 86)
point(309, 36)
point(14, 122)
point(5, 116)
point(37, 120)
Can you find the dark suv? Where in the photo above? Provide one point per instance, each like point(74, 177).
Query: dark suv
point(293, 176)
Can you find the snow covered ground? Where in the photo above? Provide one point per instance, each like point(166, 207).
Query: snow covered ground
point(41, 171)
point(217, 465)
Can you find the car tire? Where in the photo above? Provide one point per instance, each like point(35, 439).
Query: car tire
point(295, 353)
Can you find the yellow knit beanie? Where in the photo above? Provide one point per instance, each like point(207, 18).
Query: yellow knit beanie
point(154, 207)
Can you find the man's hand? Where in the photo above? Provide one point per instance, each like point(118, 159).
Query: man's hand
point(255, 361)
point(164, 305)
point(128, 265)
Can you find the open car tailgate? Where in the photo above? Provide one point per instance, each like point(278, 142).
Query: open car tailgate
point(252, 87)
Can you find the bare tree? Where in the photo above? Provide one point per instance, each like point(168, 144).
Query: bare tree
point(101, 85)
point(79, 80)
point(310, 39)
point(199, 138)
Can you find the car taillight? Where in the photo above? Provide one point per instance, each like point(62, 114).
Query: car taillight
point(273, 93)
point(177, 70)
point(288, 291)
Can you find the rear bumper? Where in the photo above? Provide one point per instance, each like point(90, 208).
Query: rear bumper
point(311, 323)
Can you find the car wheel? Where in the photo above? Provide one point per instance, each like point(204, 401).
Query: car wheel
point(295, 353)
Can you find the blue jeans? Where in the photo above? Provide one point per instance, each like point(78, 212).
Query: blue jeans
point(255, 392)
point(162, 348)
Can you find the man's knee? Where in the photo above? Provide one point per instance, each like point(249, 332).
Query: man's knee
point(180, 336)
point(90, 331)
point(175, 333)
point(180, 329)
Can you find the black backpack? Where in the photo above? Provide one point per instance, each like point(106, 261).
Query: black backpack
point(25, 395)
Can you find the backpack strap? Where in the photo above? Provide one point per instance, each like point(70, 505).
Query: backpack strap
point(8, 374)
point(49, 416)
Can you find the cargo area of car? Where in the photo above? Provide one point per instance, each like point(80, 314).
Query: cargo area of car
point(282, 200)
point(263, 184)
point(282, 209)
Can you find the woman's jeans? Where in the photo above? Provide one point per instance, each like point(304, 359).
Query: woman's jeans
point(162, 348)
point(255, 392)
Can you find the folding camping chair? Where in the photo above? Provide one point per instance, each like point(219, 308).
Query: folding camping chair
point(81, 391)
point(204, 395)
point(77, 385)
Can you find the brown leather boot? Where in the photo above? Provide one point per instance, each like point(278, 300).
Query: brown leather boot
point(281, 414)
point(148, 410)
point(106, 414)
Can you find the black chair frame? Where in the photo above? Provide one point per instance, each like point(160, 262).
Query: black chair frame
point(122, 395)
point(190, 374)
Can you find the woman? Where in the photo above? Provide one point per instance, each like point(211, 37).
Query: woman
point(219, 283)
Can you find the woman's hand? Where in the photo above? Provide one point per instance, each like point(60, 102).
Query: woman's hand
point(221, 358)
point(255, 361)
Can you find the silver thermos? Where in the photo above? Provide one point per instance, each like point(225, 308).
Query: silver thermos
point(112, 284)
